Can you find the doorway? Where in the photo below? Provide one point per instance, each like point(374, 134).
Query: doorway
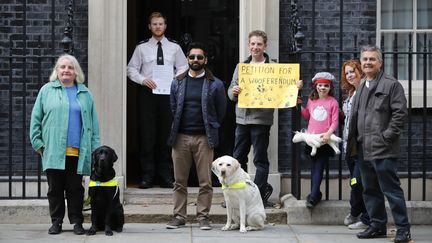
point(213, 22)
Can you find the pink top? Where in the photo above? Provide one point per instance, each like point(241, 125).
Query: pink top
point(322, 115)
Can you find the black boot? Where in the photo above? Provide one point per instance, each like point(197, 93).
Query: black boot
point(402, 236)
point(55, 229)
point(266, 193)
point(373, 232)
point(78, 229)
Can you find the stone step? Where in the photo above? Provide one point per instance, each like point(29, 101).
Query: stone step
point(37, 212)
point(155, 205)
point(163, 214)
point(294, 211)
point(158, 196)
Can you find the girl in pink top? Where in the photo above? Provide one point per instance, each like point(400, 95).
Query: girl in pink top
point(322, 112)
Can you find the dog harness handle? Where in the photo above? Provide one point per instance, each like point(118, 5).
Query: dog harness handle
point(237, 185)
point(110, 183)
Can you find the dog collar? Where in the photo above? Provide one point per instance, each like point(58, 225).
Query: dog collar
point(237, 185)
point(112, 182)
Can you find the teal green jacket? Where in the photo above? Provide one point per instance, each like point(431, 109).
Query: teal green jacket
point(49, 126)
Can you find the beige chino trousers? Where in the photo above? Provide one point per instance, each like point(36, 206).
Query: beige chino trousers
point(186, 150)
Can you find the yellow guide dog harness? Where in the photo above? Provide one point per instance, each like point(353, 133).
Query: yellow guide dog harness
point(237, 185)
point(112, 182)
point(92, 183)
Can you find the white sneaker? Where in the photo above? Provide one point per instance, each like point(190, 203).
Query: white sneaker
point(358, 225)
point(349, 219)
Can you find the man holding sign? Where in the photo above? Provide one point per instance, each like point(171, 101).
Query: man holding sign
point(253, 124)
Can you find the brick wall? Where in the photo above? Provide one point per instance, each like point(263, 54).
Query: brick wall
point(43, 33)
point(358, 18)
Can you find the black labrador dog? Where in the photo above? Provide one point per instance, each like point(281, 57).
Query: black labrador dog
point(106, 210)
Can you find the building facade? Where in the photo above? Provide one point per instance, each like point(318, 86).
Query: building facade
point(105, 33)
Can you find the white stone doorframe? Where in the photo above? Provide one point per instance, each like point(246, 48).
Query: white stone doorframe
point(253, 16)
point(107, 74)
point(107, 62)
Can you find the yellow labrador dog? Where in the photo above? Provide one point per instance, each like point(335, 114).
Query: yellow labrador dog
point(245, 209)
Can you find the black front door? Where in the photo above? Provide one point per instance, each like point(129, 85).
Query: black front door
point(213, 22)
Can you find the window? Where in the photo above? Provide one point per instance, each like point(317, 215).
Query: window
point(399, 23)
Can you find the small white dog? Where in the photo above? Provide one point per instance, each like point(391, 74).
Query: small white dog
point(245, 209)
point(315, 141)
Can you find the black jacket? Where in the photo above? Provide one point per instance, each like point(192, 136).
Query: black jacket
point(213, 104)
point(385, 117)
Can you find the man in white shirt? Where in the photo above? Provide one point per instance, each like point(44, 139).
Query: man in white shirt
point(150, 66)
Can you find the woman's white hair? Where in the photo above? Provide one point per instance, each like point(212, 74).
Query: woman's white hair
point(78, 71)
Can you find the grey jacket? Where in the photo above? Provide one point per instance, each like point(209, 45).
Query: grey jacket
point(385, 117)
point(245, 116)
point(213, 102)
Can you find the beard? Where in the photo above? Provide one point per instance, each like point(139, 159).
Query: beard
point(196, 66)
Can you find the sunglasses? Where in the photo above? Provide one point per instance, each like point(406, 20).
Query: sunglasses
point(193, 56)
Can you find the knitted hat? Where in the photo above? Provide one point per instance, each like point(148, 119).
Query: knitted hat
point(323, 78)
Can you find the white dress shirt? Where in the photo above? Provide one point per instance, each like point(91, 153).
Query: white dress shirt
point(143, 60)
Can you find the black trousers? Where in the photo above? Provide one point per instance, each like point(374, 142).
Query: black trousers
point(61, 182)
point(258, 137)
point(155, 120)
point(356, 197)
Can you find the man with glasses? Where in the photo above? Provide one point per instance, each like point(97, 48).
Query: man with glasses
point(378, 115)
point(198, 104)
point(153, 65)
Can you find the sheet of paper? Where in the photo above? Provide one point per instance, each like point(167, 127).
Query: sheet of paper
point(163, 76)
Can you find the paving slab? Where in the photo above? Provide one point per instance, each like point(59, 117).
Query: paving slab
point(157, 233)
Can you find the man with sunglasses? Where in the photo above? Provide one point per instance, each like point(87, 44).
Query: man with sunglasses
point(155, 59)
point(198, 104)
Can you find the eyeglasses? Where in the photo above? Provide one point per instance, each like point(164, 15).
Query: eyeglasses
point(197, 56)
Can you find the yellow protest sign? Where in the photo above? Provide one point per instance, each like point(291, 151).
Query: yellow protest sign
point(268, 85)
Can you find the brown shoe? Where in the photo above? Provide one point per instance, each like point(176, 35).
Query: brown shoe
point(175, 223)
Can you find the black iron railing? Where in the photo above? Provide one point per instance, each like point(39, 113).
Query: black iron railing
point(415, 150)
point(28, 65)
point(411, 166)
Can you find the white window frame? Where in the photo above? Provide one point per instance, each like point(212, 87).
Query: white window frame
point(417, 85)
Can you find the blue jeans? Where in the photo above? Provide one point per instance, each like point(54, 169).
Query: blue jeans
point(258, 137)
point(356, 196)
point(380, 179)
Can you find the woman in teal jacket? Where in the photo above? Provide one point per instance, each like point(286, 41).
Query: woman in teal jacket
point(64, 130)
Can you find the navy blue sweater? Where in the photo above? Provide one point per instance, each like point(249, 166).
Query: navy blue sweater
point(192, 122)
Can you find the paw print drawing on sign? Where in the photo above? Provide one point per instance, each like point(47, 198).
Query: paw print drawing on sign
point(261, 88)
